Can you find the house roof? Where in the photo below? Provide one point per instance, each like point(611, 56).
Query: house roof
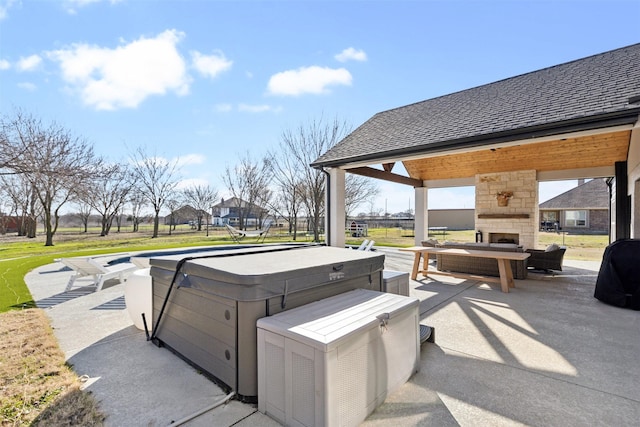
point(590, 93)
point(187, 211)
point(230, 203)
point(592, 194)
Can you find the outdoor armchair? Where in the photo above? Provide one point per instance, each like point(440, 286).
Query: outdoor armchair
point(547, 259)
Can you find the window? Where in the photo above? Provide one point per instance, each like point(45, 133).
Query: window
point(575, 218)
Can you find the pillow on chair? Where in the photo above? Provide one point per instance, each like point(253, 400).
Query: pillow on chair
point(552, 247)
point(430, 242)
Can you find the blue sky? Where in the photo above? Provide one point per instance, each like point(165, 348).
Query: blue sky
point(209, 81)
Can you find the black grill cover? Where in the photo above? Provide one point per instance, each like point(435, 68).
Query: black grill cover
point(619, 277)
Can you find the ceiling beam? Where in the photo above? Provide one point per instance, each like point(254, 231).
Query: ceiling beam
point(384, 175)
point(388, 167)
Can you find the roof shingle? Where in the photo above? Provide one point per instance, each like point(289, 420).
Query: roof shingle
point(592, 194)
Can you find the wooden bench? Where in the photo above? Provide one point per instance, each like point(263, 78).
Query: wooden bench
point(503, 258)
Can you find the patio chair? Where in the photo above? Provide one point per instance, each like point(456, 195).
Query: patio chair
point(430, 243)
point(238, 235)
point(363, 245)
point(547, 259)
point(86, 266)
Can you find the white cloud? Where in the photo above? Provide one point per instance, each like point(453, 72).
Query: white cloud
point(246, 108)
point(191, 159)
point(351, 54)
point(4, 64)
point(223, 108)
point(210, 65)
point(192, 182)
point(108, 79)
point(312, 79)
point(29, 63)
point(72, 6)
point(27, 86)
point(5, 5)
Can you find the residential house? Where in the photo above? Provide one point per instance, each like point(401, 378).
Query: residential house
point(583, 209)
point(231, 210)
point(187, 215)
point(9, 224)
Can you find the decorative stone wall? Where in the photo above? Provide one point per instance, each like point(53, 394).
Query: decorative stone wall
point(519, 217)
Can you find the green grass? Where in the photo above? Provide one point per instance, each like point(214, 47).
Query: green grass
point(20, 257)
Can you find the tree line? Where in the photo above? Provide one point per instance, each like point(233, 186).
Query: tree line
point(44, 167)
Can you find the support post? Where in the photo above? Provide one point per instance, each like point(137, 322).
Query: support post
point(421, 231)
point(336, 218)
point(623, 202)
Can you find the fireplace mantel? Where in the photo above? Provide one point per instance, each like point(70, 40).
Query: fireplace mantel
point(504, 216)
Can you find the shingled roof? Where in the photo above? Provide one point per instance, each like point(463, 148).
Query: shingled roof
point(592, 194)
point(590, 93)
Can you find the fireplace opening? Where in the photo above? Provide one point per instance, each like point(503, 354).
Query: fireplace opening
point(504, 238)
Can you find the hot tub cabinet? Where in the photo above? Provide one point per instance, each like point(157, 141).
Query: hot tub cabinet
point(332, 362)
point(210, 315)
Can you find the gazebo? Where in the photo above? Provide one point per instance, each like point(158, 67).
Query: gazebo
point(570, 121)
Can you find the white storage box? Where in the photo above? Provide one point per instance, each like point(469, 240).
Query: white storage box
point(332, 362)
point(395, 282)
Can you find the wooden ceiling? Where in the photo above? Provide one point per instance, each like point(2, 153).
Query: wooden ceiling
point(571, 153)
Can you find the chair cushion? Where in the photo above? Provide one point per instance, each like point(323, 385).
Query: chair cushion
point(430, 242)
point(552, 247)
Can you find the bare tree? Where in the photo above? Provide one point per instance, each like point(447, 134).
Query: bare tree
point(118, 218)
point(201, 198)
point(24, 203)
point(288, 178)
point(54, 162)
point(10, 150)
point(109, 192)
point(304, 145)
point(358, 190)
point(173, 203)
point(248, 182)
point(84, 213)
point(156, 178)
point(137, 204)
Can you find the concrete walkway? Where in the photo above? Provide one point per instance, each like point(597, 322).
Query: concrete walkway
point(545, 354)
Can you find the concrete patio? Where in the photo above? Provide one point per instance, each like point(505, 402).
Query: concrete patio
point(545, 354)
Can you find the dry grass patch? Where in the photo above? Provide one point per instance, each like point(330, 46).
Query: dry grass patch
point(36, 386)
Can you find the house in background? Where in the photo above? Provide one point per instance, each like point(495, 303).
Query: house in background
point(186, 215)
point(230, 211)
point(9, 224)
point(583, 209)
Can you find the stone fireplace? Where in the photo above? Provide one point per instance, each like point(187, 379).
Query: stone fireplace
point(517, 220)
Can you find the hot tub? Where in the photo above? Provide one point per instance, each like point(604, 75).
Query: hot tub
point(211, 312)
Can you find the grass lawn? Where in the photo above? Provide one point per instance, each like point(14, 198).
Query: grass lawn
point(37, 388)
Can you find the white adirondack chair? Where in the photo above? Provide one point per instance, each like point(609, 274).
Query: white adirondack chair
point(86, 266)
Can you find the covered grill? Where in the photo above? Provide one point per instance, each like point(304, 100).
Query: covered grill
point(210, 314)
